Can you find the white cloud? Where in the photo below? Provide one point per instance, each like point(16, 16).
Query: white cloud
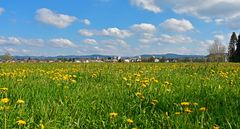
point(175, 39)
point(219, 37)
point(2, 10)
point(144, 27)
point(9, 41)
point(90, 41)
point(86, 22)
point(221, 11)
point(115, 32)
point(61, 42)
point(21, 41)
point(85, 32)
point(150, 5)
point(47, 16)
point(15, 51)
point(177, 25)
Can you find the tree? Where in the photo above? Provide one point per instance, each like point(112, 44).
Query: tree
point(7, 56)
point(216, 51)
point(237, 52)
point(232, 47)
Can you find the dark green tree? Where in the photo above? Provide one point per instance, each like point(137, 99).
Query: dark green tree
point(232, 47)
point(237, 52)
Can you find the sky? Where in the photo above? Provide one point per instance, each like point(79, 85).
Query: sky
point(115, 27)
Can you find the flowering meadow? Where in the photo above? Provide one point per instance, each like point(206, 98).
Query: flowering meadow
point(118, 95)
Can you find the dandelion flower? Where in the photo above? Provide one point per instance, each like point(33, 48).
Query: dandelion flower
point(20, 101)
point(113, 115)
point(203, 109)
point(4, 89)
point(185, 103)
point(187, 110)
point(5, 100)
point(129, 121)
point(21, 122)
point(177, 113)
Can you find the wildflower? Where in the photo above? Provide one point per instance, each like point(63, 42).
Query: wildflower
point(41, 126)
point(21, 122)
point(187, 110)
point(216, 127)
point(177, 113)
point(138, 94)
point(134, 128)
point(113, 115)
point(129, 121)
point(73, 81)
point(5, 100)
point(20, 101)
point(154, 102)
point(203, 109)
point(195, 104)
point(166, 114)
point(4, 89)
point(185, 103)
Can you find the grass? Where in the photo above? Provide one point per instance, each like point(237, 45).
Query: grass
point(70, 96)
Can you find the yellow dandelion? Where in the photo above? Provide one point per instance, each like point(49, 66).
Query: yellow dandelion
point(216, 127)
point(20, 101)
point(195, 104)
point(129, 121)
point(187, 110)
point(113, 114)
point(125, 79)
point(21, 122)
point(203, 109)
point(41, 126)
point(185, 103)
point(134, 128)
point(177, 113)
point(5, 100)
point(154, 102)
point(4, 89)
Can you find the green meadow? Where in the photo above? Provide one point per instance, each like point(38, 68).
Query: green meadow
point(119, 95)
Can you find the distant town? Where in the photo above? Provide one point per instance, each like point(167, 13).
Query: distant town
point(107, 58)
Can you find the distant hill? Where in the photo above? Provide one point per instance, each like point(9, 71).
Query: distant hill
point(97, 56)
point(172, 56)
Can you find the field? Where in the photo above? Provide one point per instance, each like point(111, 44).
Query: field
point(117, 95)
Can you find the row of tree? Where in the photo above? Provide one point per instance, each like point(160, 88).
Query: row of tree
point(234, 48)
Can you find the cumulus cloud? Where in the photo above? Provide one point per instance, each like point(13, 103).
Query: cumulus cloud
point(90, 41)
point(2, 11)
point(177, 25)
point(47, 16)
point(150, 5)
point(85, 32)
point(15, 51)
point(61, 42)
point(221, 11)
point(174, 39)
point(219, 37)
point(115, 32)
point(86, 22)
point(21, 41)
point(144, 27)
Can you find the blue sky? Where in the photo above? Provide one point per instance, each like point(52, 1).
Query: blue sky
point(115, 27)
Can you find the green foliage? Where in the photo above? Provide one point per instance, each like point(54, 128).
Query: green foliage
point(7, 56)
point(82, 96)
point(232, 47)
